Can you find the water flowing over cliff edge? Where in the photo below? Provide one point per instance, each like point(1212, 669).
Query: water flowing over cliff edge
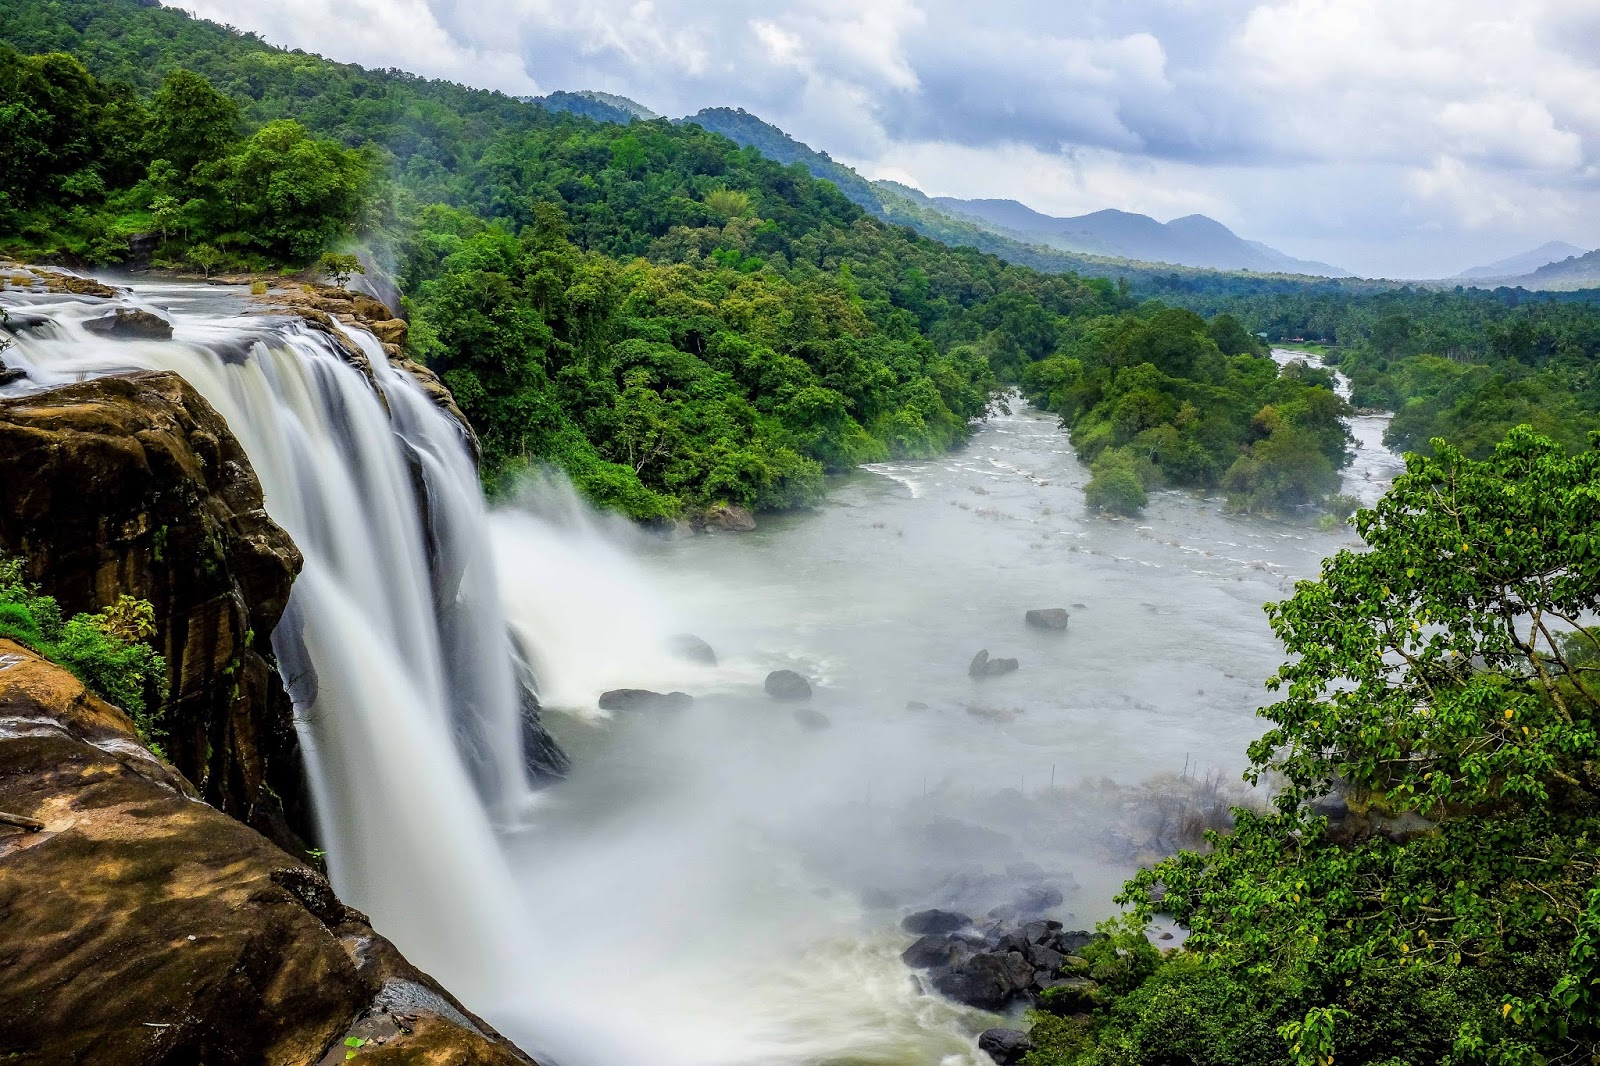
point(393, 646)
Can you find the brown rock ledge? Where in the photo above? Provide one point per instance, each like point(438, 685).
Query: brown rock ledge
point(143, 927)
point(134, 485)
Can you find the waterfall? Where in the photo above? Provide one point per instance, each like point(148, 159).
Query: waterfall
point(394, 646)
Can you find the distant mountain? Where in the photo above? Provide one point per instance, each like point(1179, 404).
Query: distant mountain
point(1526, 263)
point(602, 107)
point(1579, 272)
point(1193, 240)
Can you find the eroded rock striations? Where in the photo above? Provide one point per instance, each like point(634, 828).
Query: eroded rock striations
point(141, 926)
point(134, 486)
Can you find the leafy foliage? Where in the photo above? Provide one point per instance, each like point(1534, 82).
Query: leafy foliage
point(105, 650)
point(1161, 396)
point(1441, 682)
point(89, 165)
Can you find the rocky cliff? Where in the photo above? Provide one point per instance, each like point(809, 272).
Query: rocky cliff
point(141, 926)
point(134, 485)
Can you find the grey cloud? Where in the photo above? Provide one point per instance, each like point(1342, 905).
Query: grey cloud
point(1362, 120)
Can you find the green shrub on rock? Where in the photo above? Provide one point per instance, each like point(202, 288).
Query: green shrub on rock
point(105, 650)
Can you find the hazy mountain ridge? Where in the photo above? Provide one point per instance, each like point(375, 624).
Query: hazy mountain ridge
point(1551, 252)
point(1578, 272)
point(1193, 240)
point(1128, 244)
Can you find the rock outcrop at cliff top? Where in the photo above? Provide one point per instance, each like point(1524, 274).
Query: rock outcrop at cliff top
point(321, 305)
point(143, 927)
point(134, 486)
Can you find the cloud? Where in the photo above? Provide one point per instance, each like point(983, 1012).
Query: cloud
point(1317, 125)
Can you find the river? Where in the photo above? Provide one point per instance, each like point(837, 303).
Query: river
point(727, 882)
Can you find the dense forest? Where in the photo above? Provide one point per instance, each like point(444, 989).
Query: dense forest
point(1466, 365)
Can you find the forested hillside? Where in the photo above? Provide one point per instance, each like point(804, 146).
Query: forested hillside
point(673, 319)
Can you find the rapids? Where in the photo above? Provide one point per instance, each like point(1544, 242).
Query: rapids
point(722, 885)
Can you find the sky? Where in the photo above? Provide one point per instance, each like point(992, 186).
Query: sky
point(1399, 138)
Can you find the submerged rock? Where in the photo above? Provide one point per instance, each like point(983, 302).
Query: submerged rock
point(787, 685)
point(642, 700)
point(144, 928)
point(1047, 618)
point(983, 666)
point(690, 647)
point(131, 323)
point(812, 720)
point(1004, 1046)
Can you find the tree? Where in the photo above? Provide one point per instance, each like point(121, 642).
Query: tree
point(289, 193)
point(338, 268)
point(206, 257)
point(727, 203)
point(190, 123)
point(1443, 686)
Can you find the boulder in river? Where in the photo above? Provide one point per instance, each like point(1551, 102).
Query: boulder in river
point(1047, 618)
point(787, 685)
point(690, 647)
point(131, 323)
point(988, 981)
point(643, 700)
point(936, 951)
point(934, 921)
point(995, 965)
point(1004, 1046)
point(727, 518)
point(8, 374)
point(983, 666)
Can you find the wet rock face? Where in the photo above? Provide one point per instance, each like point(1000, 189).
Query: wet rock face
point(142, 927)
point(134, 485)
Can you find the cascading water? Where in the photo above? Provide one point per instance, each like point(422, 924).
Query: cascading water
point(393, 647)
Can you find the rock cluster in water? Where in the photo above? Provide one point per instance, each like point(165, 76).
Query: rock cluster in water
point(983, 666)
point(999, 962)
